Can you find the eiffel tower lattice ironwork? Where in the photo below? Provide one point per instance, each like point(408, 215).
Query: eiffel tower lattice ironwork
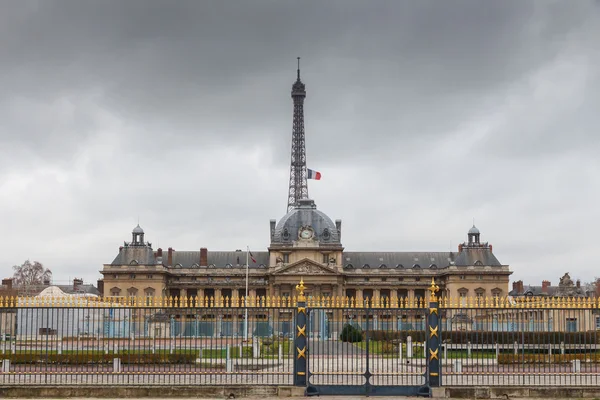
point(298, 185)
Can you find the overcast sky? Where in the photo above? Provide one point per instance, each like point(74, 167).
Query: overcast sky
point(420, 115)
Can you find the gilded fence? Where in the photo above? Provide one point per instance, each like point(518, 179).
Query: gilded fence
point(327, 344)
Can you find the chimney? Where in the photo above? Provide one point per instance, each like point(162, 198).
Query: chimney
point(521, 290)
point(460, 247)
point(490, 248)
point(159, 252)
point(515, 284)
point(578, 284)
point(598, 288)
point(76, 283)
point(7, 283)
point(170, 257)
point(272, 223)
point(120, 248)
point(100, 284)
point(203, 257)
point(338, 226)
point(545, 286)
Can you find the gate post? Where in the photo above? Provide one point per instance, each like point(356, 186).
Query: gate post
point(300, 361)
point(433, 338)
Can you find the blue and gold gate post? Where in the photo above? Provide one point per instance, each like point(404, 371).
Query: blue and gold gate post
point(433, 337)
point(300, 339)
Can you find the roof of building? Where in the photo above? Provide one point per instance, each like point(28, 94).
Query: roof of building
point(476, 256)
point(233, 259)
point(474, 230)
point(306, 214)
point(57, 291)
point(138, 229)
point(135, 254)
point(401, 259)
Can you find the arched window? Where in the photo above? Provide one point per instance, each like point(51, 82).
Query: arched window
point(416, 266)
point(399, 266)
point(478, 263)
point(383, 266)
point(134, 262)
point(433, 266)
point(366, 266)
point(195, 265)
point(349, 266)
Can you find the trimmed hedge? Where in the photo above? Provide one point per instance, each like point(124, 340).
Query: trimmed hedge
point(351, 334)
point(463, 337)
point(547, 358)
point(100, 358)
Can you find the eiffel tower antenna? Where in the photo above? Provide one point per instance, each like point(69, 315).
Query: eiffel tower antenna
point(298, 189)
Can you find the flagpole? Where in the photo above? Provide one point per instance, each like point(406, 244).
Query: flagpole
point(246, 297)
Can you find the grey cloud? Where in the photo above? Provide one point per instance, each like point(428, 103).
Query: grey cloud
point(425, 114)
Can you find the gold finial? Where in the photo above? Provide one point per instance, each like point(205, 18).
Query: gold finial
point(300, 289)
point(433, 289)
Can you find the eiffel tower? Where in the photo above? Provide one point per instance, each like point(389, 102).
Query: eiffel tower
point(298, 186)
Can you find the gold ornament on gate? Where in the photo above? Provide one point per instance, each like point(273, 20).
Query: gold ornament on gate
point(433, 289)
point(300, 289)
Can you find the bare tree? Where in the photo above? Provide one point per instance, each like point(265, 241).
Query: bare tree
point(30, 273)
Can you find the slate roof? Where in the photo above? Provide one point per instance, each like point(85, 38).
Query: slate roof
point(469, 256)
point(306, 214)
point(405, 259)
point(143, 255)
point(85, 288)
point(220, 259)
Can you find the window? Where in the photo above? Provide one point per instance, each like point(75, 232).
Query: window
point(149, 295)
point(286, 258)
point(325, 258)
point(115, 292)
point(496, 292)
point(149, 276)
point(597, 323)
point(462, 278)
point(132, 294)
point(462, 295)
point(115, 276)
point(132, 276)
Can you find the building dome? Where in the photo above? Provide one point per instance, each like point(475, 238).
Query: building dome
point(306, 215)
point(473, 230)
point(138, 229)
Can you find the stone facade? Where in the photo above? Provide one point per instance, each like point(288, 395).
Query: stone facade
point(327, 269)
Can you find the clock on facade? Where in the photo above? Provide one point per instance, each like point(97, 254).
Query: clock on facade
point(306, 233)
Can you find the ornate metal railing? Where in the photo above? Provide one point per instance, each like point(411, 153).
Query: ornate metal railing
point(329, 345)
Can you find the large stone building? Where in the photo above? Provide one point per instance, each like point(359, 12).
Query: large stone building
point(305, 243)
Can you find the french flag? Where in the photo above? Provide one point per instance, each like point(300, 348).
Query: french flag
point(316, 175)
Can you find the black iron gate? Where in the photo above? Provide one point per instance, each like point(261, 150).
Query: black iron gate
point(367, 352)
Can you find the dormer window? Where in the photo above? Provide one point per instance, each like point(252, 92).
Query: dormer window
point(383, 266)
point(400, 266)
point(349, 266)
point(228, 265)
point(433, 266)
point(416, 266)
point(478, 263)
point(366, 266)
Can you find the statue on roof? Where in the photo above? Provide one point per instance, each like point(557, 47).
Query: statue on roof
point(566, 281)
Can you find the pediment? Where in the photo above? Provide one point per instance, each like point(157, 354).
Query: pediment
point(305, 267)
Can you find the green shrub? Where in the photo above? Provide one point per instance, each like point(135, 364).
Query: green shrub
point(351, 334)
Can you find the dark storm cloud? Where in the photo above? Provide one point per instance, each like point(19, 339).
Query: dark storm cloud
point(426, 113)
